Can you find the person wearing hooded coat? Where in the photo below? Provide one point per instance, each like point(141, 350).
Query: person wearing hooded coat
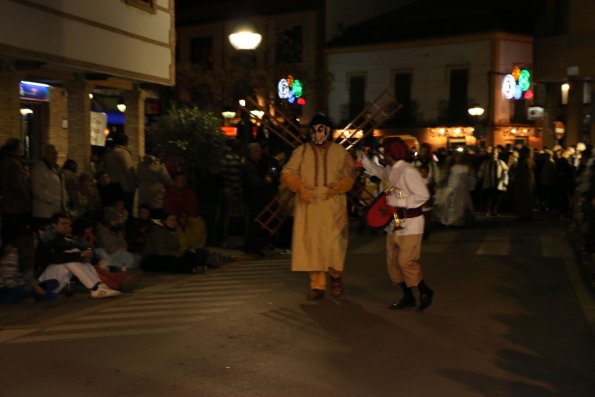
point(320, 172)
point(403, 242)
point(153, 180)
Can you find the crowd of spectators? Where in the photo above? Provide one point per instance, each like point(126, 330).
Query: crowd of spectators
point(104, 229)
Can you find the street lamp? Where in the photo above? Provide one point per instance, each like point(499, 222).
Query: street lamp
point(475, 110)
point(245, 37)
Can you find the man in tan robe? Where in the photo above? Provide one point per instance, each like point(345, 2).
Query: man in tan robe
point(320, 172)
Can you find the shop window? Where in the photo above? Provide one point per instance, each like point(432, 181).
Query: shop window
point(357, 94)
point(458, 95)
point(146, 5)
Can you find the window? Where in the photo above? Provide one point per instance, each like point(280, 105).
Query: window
point(458, 95)
point(288, 47)
point(402, 90)
point(357, 94)
point(201, 52)
point(146, 5)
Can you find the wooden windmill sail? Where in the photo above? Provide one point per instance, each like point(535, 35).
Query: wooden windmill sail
point(378, 111)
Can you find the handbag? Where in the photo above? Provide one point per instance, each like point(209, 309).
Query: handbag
point(379, 214)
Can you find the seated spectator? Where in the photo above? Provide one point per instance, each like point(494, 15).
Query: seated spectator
point(124, 281)
point(108, 191)
point(191, 231)
point(67, 259)
point(14, 288)
point(117, 210)
point(163, 252)
point(180, 198)
point(137, 229)
point(153, 179)
point(87, 203)
point(111, 243)
point(192, 235)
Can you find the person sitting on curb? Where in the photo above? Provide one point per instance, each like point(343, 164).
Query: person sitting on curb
point(111, 243)
point(192, 235)
point(163, 252)
point(67, 259)
point(14, 288)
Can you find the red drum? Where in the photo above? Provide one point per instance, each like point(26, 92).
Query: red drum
point(379, 214)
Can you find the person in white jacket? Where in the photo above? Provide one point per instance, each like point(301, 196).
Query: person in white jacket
point(403, 240)
point(47, 185)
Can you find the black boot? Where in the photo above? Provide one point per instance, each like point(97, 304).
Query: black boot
point(425, 295)
point(408, 299)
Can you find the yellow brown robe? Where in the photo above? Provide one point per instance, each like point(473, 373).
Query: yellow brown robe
point(320, 230)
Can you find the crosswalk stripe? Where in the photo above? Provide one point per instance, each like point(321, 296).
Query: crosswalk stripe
point(120, 323)
point(98, 334)
point(154, 313)
point(208, 293)
point(172, 305)
point(150, 301)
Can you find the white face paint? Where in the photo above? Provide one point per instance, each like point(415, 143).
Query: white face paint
point(320, 133)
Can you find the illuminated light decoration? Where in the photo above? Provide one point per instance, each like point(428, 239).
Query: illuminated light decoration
point(524, 80)
point(518, 92)
point(452, 131)
point(290, 89)
point(515, 84)
point(508, 85)
point(529, 94)
point(301, 101)
point(297, 88)
point(283, 89)
point(516, 73)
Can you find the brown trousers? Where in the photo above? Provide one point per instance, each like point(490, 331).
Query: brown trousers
point(402, 258)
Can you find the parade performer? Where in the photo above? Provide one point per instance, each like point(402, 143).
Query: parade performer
point(320, 172)
point(403, 234)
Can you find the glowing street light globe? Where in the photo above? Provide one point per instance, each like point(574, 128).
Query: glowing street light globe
point(475, 110)
point(245, 39)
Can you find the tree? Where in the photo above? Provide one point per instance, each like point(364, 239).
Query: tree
point(191, 137)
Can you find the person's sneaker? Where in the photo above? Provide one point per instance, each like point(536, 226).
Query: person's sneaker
point(103, 291)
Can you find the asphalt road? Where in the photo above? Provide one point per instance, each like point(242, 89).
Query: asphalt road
point(510, 318)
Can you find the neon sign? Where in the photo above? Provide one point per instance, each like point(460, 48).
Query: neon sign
point(516, 84)
point(291, 90)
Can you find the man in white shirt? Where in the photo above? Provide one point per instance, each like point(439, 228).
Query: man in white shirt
point(403, 241)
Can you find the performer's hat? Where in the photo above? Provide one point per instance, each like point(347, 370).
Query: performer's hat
point(396, 148)
point(322, 118)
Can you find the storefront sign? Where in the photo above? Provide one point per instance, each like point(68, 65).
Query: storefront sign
point(98, 128)
point(31, 91)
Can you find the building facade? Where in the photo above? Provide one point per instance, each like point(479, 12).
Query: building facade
point(57, 56)
point(436, 76)
point(291, 49)
point(565, 66)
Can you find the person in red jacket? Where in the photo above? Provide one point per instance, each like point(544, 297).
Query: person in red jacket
point(180, 198)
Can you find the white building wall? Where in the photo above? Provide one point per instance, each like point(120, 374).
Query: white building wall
point(511, 53)
point(430, 65)
point(102, 36)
